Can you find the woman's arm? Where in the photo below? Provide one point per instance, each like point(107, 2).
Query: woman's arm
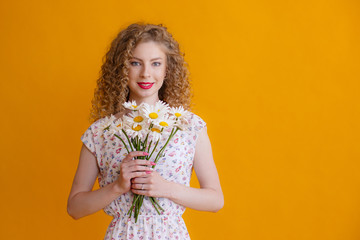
point(83, 201)
point(208, 197)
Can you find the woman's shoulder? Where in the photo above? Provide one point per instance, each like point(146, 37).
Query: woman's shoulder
point(195, 121)
point(194, 117)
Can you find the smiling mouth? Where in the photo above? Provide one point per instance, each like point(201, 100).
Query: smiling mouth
point(145, 85)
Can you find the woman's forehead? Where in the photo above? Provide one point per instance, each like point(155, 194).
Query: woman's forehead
point(149, 50)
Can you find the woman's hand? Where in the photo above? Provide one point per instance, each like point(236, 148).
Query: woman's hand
point(130, 168)
point(151, 184)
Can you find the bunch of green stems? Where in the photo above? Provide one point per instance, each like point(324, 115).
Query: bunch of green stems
point(136, 144)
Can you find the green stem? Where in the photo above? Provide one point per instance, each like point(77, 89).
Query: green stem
point(133, 204)
point(122, 142)
point(128, 140)
point(157, 203)
point(154, 148)
point(154, 204)
point(145, 143)
point(147, 158)
point(172, 134)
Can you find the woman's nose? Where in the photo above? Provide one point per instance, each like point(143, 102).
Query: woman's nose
point(145, 73)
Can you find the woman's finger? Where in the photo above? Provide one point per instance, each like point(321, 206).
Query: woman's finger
point(131, 155)
point(139, 168)
point(140, 162)
point(138, 174)
point(143, 179)
point(139, 186)
point(141, 192)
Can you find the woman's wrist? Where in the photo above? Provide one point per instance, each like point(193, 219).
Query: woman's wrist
point(116, 188)
point(171, 189)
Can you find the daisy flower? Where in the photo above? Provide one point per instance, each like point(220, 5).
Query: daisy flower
point(153, 113)
point(161, 106)
point(118, 124)
point(106, 122)
point(107, 126)
point(182, 124)
point(135, 130)
point(179, 112)
point(134, 118)
point(116, 127)
point(166, 122)
point(155, 133)
point(131, 105)
point(181, 116)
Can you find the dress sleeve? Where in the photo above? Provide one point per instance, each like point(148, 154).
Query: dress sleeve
point(88, 139)
point(197, 124)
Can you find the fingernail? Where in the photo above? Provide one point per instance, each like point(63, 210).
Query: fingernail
point(152, 163)
point(148, 172)
point(145, 153)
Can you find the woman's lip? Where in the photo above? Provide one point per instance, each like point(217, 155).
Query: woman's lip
point(145, 85)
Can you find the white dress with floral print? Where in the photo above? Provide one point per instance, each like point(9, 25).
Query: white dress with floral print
point(176, 166)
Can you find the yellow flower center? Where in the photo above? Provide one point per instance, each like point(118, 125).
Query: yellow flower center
point(163, 124)
point(155, 130)
point(138, 119)
point(153, 115)
point(119, 125)
point(137, 128)
point(178, 114)
point(134, 106)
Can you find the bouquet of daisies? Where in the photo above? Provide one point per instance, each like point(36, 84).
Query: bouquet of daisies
point(142, 130)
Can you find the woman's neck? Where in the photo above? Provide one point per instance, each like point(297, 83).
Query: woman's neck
point(149, 100)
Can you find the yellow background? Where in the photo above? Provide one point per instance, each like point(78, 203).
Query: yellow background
point(276, 81)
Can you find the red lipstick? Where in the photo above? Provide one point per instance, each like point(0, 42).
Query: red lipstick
point(145, 85)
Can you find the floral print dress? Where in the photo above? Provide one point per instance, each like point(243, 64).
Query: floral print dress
point(176, 166)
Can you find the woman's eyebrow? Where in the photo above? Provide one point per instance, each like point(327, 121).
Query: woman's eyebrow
point(153, 59)
point(136, 58)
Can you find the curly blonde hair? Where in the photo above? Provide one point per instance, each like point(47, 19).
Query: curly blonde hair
point(112, 85)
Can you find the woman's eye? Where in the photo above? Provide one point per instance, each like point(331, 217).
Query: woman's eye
point(135, 64)
point(156, 63)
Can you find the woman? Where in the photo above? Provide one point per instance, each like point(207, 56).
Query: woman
point(144, 64)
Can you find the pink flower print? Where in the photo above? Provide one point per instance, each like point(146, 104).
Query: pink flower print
point(118, 150)
point(172, 154)
point(114, 165)
point(176, 140)
point(178, 169)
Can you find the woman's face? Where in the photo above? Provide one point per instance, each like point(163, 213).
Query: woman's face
point(147, 72)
